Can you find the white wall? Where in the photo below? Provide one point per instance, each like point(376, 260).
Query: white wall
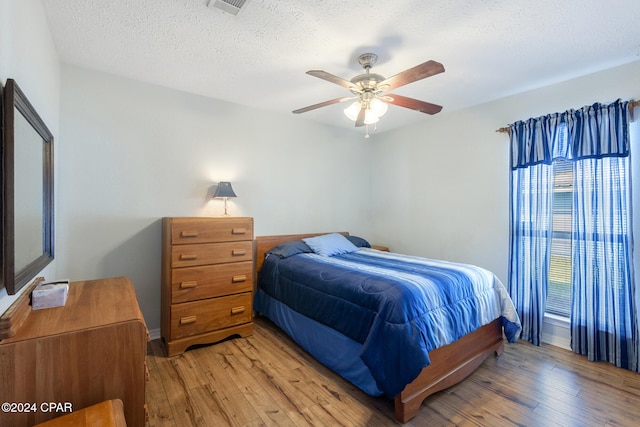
point(131, 153)
point(441, 188)
point(28, 55)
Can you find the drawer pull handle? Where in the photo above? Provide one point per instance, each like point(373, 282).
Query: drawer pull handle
point(238, 231)
point(239, 278)
point(237, 310)
point(189, 234)
point(188, 320)
point(188, 257)
point(238, 252)
point(189, 285)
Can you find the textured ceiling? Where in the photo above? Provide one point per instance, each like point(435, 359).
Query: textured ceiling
point(490, 48)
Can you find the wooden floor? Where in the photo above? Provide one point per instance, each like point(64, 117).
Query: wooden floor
point(266, 379)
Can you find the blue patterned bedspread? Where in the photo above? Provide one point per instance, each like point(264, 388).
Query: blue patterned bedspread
point(399, 307)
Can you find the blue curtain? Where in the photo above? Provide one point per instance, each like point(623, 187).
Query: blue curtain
point(532, 148)
point(604, 323)
point(530, 246)
point(603, 314)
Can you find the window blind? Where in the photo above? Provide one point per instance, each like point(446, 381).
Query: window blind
point(559, 289)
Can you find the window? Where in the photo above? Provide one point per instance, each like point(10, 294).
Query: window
point(559, 290)
point(586, 270)
point(592, 177)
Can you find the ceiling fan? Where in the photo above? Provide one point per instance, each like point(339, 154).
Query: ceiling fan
point(369, 89)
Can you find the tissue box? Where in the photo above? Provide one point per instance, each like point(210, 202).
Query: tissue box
point(50, 294)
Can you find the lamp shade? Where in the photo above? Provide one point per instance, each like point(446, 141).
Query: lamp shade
point(224, 189)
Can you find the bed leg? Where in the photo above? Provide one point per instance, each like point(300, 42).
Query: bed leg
point(404, 411)
point(499, 349)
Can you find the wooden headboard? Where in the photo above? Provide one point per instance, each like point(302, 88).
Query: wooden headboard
point(264, 243)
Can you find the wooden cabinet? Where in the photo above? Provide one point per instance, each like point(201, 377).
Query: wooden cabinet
point(91, 350)
point(207, 280)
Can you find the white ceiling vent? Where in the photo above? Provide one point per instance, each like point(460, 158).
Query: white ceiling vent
point(229, 6)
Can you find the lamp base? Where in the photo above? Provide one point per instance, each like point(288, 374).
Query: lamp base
point(225, 208)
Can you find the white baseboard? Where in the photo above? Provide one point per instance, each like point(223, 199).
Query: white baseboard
point(556, 331)
point(154, 334)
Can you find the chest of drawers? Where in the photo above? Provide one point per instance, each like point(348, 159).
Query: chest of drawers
point(207, 280)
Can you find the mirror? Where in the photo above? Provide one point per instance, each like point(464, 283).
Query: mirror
point(27, 190)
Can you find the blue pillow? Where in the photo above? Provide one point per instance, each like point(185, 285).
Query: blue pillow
point(287, 249)
point(330, 244)
point(359, 241)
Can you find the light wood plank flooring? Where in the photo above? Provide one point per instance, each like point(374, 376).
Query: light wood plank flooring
point(267, 380)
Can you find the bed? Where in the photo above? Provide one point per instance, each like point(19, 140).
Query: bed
point(355, 310)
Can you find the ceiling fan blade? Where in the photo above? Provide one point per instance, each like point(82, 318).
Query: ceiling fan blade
point(322, 104)
point(419, 72)
point(331, 78)
point(361, 116)
point(413, 104)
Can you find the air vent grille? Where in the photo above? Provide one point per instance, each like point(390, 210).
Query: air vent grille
point(229, 6)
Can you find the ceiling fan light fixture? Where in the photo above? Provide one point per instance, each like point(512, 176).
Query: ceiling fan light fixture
point(370, 118)
point(372, 114)
point(352, 111)
point(378, 107)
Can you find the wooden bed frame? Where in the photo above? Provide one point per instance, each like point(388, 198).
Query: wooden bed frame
point(449, 364)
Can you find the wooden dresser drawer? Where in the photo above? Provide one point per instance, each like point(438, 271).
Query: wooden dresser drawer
point(202, 316)
point(210, 230)
point(210, 253)
point(207, 281)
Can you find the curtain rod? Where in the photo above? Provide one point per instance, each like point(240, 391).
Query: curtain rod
point(632, 105)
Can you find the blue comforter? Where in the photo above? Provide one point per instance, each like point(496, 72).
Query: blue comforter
point(398, 307)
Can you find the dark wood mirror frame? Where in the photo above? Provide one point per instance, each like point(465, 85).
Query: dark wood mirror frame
point(15, 102)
